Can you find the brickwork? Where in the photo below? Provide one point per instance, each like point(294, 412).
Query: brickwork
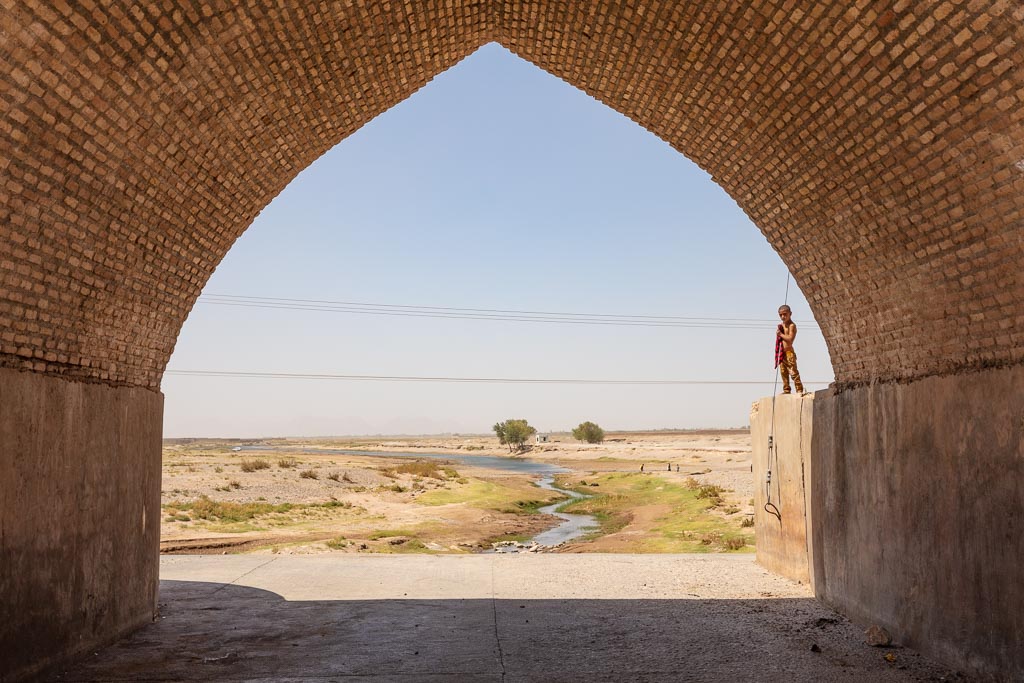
point(879, 145)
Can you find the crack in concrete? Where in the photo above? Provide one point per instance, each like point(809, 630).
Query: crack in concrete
point(236, 580)
point(494, 610)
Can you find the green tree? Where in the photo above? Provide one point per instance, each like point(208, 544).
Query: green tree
point(514, 433)
point(589, 432)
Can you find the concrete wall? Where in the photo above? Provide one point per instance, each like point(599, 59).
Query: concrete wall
point(919, 513)
point(79, 517)
point(782, 545)
point(916, 502)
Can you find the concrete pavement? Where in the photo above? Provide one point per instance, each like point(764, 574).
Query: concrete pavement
point(548, 617)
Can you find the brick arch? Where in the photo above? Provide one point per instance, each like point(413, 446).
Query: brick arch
point(879, 146)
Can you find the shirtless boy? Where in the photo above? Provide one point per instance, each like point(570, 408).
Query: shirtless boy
point(787, 360)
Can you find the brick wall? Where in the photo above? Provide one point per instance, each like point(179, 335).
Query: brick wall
point(878, 145)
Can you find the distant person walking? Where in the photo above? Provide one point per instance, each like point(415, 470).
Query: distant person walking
point(785, 355)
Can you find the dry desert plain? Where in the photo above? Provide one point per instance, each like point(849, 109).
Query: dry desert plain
point(302, 496)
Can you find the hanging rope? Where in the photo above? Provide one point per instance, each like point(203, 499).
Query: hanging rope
point(770, 507)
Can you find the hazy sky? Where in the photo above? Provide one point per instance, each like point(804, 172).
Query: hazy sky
point(497, 186)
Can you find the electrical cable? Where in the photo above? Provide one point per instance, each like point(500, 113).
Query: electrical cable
point(468, 380)
point(503, 315)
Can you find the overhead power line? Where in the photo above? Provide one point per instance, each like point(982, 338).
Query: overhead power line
point(502, 315)
point(476, 380)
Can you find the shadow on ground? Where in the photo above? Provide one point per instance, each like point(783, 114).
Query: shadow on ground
point(216, 631)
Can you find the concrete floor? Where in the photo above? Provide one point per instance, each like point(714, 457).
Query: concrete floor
point(482, 618)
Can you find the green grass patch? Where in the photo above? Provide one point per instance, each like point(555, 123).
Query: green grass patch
point(518, 538)
point(233, 517)
point(390, 533)
point(492, 496)
point(400, 545)
point(224, 511)
point(689, 526)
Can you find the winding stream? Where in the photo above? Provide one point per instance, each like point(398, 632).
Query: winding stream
point(574, 525)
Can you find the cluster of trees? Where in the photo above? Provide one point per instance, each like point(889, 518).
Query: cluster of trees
point(515, 433)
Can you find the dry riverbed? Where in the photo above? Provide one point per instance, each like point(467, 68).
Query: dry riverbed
point(693, 494)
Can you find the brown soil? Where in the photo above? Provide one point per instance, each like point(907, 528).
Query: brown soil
point(624, 540)
point(370, 500)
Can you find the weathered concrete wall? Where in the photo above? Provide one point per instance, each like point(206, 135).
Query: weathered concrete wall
point(782, 545)
point(918, 513)
point(914, 496)
point(79, 516)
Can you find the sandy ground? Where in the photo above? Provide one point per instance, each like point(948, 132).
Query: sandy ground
point(367, 500)
point(720, 456)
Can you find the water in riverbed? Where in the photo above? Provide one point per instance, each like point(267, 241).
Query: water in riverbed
point(572, 527)
point(494, 462)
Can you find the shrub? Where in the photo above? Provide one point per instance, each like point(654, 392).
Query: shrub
point(207, 509)
point(287, 463)
point(235, 484)
point(711, 492)
point(334, 476)
point(309, 474)
point(333, 504)
point(747, 522)
point(735, 542)
point(253, 465)
point(420, 468)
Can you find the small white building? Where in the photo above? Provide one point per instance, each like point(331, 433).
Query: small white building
point(542, 438)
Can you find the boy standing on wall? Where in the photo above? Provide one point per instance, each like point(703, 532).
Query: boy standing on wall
point(785, 356)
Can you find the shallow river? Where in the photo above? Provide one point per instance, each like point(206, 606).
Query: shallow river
point(494, 462)
point(572, 527)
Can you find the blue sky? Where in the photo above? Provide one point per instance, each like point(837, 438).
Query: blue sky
point(497, 186)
